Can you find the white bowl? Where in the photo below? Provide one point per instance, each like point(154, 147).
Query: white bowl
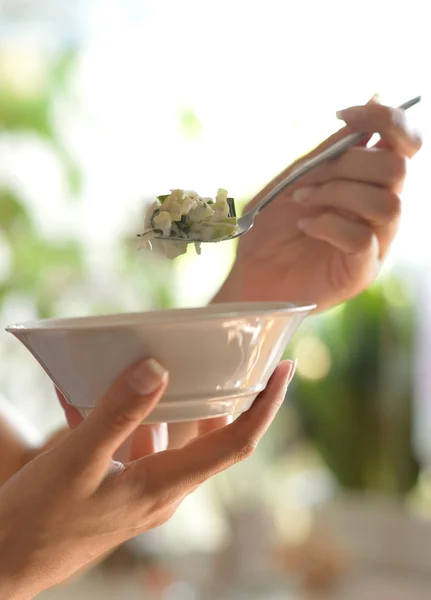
point(219, 357)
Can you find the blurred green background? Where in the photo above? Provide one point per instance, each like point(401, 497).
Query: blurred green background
point(101, 108)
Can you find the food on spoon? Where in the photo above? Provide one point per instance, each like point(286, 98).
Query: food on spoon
point(188, 216)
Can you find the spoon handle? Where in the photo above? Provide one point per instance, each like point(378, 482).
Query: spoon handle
point(333, 151)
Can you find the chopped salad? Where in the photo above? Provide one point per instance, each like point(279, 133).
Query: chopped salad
point(187, 216)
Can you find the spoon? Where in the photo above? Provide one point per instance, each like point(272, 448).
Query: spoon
point(246, 222)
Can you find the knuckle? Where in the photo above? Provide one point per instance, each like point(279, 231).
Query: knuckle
point(365, 240)
point(116, 420)
point(241, 446)
point(151, 490)
point(162, 500)
point(162, 517)
point(417, 140)
point(393, 207)
point(396, 168)
point(388, 117)
point(246, 449)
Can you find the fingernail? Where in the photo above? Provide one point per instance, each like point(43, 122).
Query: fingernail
point(305, 224)
point(375, 99)
point(356, 113)
point(160, 436)
point(291, 372)
point(303, 195)
point(147, 377)
point(290, 375)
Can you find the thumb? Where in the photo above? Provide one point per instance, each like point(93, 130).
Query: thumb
point(129, 401)
point(341, 133)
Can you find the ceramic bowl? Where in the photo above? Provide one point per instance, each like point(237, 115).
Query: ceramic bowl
point(219, 357)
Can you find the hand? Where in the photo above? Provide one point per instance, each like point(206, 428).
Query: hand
point(147, 439)
point(324, 240)
point(73, 503)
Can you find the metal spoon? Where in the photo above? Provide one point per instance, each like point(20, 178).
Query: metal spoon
point(246, 222)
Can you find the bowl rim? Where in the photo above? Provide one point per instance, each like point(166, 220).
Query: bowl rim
point(173, 316)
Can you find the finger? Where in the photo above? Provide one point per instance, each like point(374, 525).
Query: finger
point(121, 455)
point(340, 134)
point(390, 123)
point(377, 166)
point(318, 174)
point(359, 256)
point(375, 205)
point(124, 407)
point(73, 417)
point(350, 237)
point(308, 179)
point(207, 425)
point(148, 439)
point(181, 433)
point(175, 473)
point(224, 447)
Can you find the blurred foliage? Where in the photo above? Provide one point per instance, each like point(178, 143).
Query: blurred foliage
point(190, 125)
point(360, 414)
point(40, 269)
point(32, 109)
point(157, 279)
point(37, 265)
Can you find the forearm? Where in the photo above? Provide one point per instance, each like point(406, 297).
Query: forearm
point(19, 441)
